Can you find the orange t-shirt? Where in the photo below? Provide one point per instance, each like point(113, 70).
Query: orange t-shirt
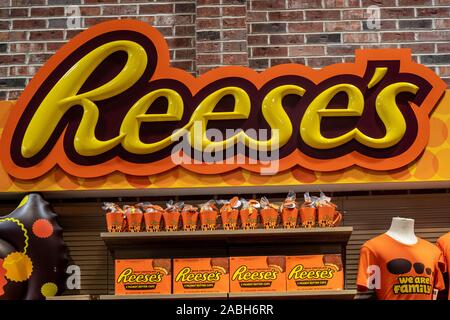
point(444, 244)
point(398, 271)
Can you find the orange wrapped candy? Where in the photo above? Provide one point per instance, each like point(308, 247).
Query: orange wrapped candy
point(327, 215)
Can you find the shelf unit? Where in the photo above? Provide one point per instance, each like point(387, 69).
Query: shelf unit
point(227, 243)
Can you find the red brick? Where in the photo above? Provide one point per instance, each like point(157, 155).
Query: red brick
point(29, 24)
point(72, 33)
point(240, 46)
point(165, 31)
point(322, 62)
point(419, 47)
point(397, 36)
point(433, 12)
point(441, 2)
point(4, 71)
point(208, 59)
point(47, 12)
point(90, 11)
point(399, 13)
point(28, 2)
point(341, 49)
point(205, 47)
point(335, 4)
point(323, 15)
point(434, 35)
point(444, 71)
point(302, 4)
point(14, 94)
point(46, 35)
point(259, 64)
point(185, 54)
point(234, 11)
point(26, 47)
point(443, 47)
point(267, 4)
point(360, 37)
point(39, 58)
point(277, 61)
point(269, 52)
point(286, 16)
point(165, 20)
point(119, 10)
point(206, 2)
point(13, 35)
point(414, 2)
point(268, 27)
point(207, 12)
point(202, 70)
point(4, 25)
point(306, 51)
point(228, 23)
point(88, 22)
point(305, 27)
point(208, 24)
point(12, 58)
point(442, 23)
point(54, 46)
point(155, 8)
point(185, 7)
point(99, 1)
point(257, 39)
point(257, 16)
point(184, 19)
point(184, 30)
point(179, 42)
point(343, 26)
point(18, 12)
point(287, 39)
point(381, 3)
point(235, 59)
point(354, 14)
point(234, 35)
point(352, 3)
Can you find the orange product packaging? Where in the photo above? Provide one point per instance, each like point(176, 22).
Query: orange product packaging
point(189, 216)
point(201, 275)
point(208, 215)
point(269, 214)
point(171, 215)
point(289, 211)
point(249, 213)
point(315, 272)
point(134, 218)
point(229, 213)
point(152, 216)
point(259, 273)
point(327, 215)
point(115, 218)
point(143, 276)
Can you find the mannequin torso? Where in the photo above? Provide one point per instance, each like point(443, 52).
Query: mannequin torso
point(402, 230)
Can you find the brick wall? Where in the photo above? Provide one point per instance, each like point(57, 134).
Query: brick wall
point(203, 34)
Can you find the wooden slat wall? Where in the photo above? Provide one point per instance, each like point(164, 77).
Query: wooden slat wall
point(83, 220)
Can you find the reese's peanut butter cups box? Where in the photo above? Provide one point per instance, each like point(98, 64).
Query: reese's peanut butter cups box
point(262, 273)
point(201, 275)
point(315, 272)
point(143, 276)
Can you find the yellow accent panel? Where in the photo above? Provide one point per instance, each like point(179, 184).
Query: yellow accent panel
point(24, 200)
